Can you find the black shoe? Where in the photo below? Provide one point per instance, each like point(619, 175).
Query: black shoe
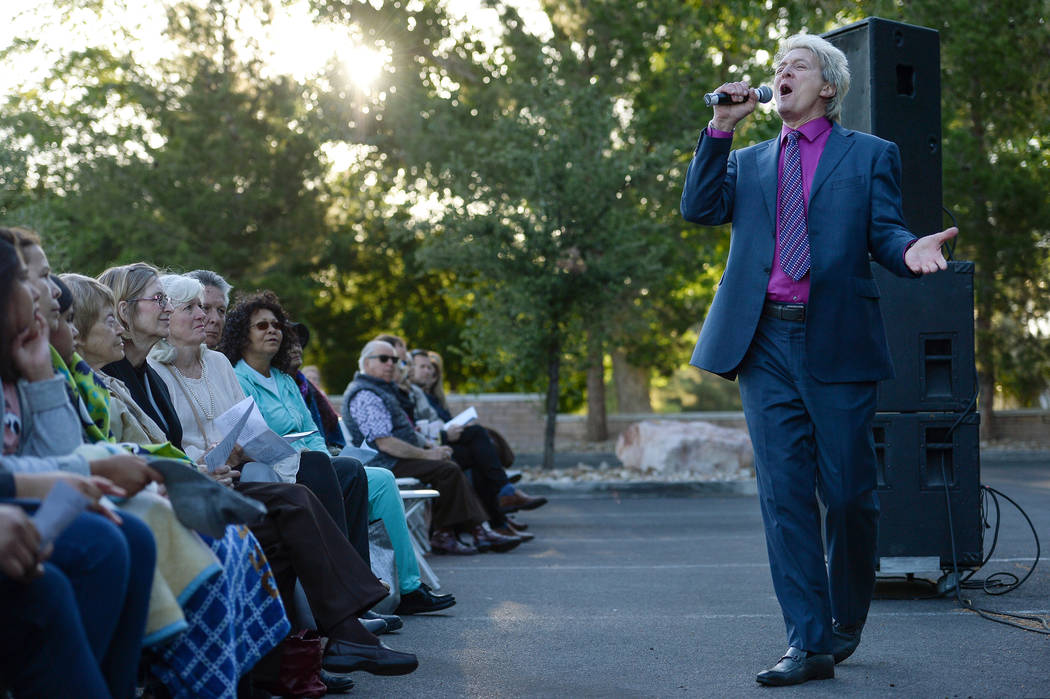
point(797, 667)
point(393, 622)
point(373, 626)
point(422, 600)
point(337, 682)
point(513, 476)
point(347, 656)
point(844, 641)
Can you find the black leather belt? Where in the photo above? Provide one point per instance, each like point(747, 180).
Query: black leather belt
point(784, 311)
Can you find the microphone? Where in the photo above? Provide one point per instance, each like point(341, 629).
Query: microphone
point(765, 93)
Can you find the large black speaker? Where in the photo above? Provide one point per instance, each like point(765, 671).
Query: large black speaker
point(929, 326)
point(917, 453)
point(895, 94)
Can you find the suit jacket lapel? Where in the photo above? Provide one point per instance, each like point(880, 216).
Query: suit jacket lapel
point(839, 142)
point(766, 162)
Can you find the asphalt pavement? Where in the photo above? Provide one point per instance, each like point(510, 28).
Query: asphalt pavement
point(656, 594)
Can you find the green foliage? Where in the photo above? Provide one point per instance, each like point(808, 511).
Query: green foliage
point(553, 163)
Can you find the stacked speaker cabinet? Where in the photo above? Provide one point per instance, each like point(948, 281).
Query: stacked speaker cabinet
point(895, 94)
point(926, 429)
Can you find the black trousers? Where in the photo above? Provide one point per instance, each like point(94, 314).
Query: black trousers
point(341, 485)
point(475, 451)
point(301, 541)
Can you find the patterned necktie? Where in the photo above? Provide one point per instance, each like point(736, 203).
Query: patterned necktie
point(794, 241)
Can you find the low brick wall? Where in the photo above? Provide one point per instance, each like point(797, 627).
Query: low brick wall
point(1027, 427)
point(519, 418)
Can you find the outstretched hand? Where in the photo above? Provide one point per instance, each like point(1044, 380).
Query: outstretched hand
point(924, 256)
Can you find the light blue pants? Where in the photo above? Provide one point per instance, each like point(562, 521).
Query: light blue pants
point(385, 503)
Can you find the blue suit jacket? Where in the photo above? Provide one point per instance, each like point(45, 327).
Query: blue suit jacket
point(854, 209)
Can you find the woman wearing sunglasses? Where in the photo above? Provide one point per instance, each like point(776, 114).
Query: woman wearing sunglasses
point(258, 341)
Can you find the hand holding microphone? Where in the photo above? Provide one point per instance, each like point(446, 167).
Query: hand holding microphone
point(734, 101)
point(764, 94)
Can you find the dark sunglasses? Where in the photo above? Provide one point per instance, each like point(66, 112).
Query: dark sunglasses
point(264, 325)
point(384, 358)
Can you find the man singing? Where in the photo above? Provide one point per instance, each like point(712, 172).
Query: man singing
point(796, 317)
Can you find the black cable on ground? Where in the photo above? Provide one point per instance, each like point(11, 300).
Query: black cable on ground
point(1036, 624)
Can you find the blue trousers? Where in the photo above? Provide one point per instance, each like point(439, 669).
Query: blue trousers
point(81, 623)
point(384, 502)
point(812, 437)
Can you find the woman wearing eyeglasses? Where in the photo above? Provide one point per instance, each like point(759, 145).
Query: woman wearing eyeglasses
point(145, 314)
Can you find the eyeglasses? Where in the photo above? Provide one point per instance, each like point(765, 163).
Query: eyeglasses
point(384, 358)
point(161, 300)
point(264, 325)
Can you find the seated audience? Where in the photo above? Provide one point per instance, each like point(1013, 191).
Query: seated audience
point(83, 599)
point(338, 584)
point(219, 587)
point(374, 411)
point(429, 375)
point(254, 338)
point(472, 449)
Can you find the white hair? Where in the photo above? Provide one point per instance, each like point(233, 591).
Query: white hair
point(834, 68)
point(181, 290)
point(367, 350)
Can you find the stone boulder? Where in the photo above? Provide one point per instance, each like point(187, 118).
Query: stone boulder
point(696, 449)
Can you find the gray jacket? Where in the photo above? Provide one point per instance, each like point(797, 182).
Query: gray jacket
point(50, 430)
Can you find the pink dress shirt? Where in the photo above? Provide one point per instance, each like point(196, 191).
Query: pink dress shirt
point(814, 136)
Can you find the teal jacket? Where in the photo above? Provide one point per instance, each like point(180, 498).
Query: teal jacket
point(285, 412)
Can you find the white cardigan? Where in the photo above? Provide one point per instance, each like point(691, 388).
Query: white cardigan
point(221, 391)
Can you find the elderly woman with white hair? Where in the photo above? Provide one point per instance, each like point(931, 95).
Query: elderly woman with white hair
point(302, 540)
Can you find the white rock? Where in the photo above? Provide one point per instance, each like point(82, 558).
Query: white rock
point(706, 451)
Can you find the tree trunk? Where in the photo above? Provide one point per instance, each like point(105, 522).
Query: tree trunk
point(632, 385)
point(597, 426)
point(553, 370)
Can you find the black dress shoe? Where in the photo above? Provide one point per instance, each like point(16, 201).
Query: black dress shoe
point(797, 667)
point(393, 622)
point(422, 600)
point(337, 683)
point(373, 626)
point(844, 641)
point(347, 656)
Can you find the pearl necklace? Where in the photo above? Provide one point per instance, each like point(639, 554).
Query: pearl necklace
point(209, 412)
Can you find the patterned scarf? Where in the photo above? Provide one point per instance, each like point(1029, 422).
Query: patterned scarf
point(88, 395)
point(91, 397)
